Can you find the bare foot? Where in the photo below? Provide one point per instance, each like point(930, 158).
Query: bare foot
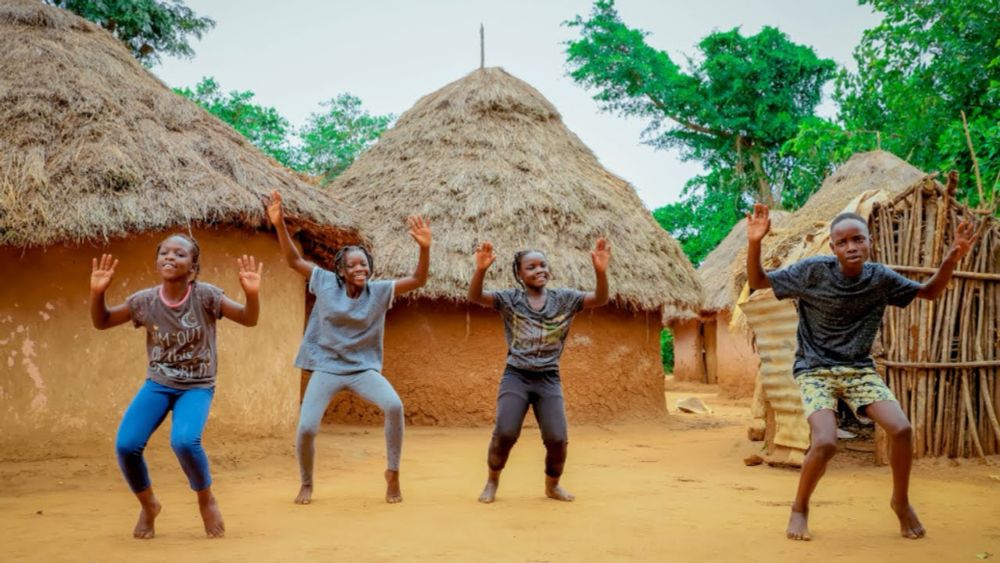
point(211, 515)
point(554, 491)
point(489, 493)
point(305, 495)
point(144, 529)
point(392, 492)
point(909, 525)
point(798, 526)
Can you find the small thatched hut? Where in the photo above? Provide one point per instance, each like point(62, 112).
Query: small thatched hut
point(97, 155)
point(729, 354)
point(487, 157)
point(861, 182)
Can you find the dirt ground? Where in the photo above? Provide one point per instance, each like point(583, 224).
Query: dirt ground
point(670, 490)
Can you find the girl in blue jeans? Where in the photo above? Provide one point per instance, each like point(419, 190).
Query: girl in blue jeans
point(179, 316)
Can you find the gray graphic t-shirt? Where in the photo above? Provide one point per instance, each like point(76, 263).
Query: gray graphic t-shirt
point(344, 334)
point(535, 339)
point(839, 316)
point(180, 339)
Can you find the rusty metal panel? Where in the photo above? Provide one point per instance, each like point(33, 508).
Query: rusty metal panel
point(774, 323)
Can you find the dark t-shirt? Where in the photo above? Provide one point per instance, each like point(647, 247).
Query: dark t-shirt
point(180, 339)
point(535, 339)
point(839, 316)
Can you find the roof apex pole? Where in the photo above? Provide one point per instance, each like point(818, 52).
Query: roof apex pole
point(482, 46)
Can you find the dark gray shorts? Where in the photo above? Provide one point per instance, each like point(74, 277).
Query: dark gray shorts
point(520, 389)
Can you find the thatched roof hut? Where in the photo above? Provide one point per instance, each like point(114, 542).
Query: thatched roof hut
point(727, 351)
point(865, 180)
point(93, 146)
point(97, 155)
point(487, 157)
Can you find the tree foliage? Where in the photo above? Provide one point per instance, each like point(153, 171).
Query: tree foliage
point(150, 28)
point(262, 126)
point(918, 69)
point(333, 138)
point(328, 143)
point(731, 108)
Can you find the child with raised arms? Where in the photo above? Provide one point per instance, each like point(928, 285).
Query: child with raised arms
point(536, 322)
point(179, 316)
point(841, 300)
point(342, 345)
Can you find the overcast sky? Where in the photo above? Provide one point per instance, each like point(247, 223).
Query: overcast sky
point(296, 53)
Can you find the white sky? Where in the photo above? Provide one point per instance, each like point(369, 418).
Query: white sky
point(296, 53)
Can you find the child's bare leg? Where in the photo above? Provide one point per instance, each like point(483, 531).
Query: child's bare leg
point(496, 459)
point(512, 406)
point(392, 491)
point(550, 412)
point(489, 493)
point(144, 528)
point(891, 418)
point(822, 447)
point(210, 514)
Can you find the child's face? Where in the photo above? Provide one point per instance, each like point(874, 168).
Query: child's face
point(175, 259)
point(850, 243)
point(534, 270)
point(356, 269)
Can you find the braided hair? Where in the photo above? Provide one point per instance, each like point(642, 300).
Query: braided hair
point(195, 252)
point(340, 262)
point(516, 265)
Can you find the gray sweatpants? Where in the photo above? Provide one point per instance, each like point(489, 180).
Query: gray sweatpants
point(373, 387)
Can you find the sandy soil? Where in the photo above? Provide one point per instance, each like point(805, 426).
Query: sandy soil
point(675, 489)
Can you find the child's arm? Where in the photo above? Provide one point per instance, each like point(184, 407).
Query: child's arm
point(100, 278)
point(965, 235)
point(247, 314)
point(420, 230)
point(758, 225)
point(484, 259)
point(600, 256)
point(288, 249)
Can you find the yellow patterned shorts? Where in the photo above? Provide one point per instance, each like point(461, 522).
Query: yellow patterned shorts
point(858, 387)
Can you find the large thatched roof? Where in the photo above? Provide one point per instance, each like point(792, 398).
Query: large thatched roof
point(93, 146)
point(856, 185)
point(717, 268)
point(487, 157)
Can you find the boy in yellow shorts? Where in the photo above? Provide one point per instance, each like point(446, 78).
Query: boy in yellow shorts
point(841, 300)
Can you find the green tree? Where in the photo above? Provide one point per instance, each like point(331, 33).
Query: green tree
point(150, 28)
point(667, 350)
point(731, 109)
point(262, 126)
point(332, 139)
point(918, 69)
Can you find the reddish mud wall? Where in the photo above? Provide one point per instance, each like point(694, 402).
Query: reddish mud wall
point(733, 357)
point(64, 383)
point(689, 351)
point(445, 361)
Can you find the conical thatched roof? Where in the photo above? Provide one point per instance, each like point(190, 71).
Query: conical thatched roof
point(487, 157)
point(93, 146)
point(718, 267)
point(855, 186)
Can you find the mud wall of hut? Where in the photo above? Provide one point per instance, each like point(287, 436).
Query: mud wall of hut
point(445, 361)
point(689, 351)
point(64, 384)
point(730, 359)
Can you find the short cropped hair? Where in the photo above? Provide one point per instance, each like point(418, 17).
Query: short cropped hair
point(846, 216)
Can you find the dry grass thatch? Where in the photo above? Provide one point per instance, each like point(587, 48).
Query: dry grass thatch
point(487, 157)
point(93, 146)
point(718, 267)
point(866, 178)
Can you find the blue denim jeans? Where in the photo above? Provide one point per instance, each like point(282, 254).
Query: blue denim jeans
point(145, 414)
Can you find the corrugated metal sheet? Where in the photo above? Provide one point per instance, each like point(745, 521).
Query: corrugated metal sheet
point(774, 323)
